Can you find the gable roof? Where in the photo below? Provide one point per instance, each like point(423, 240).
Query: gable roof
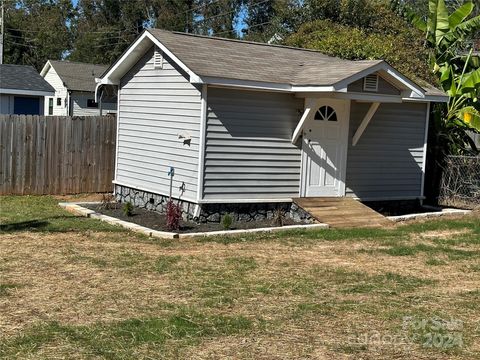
point(243, 60)
point(207, 59)
point(76, 76)
point(22, 77)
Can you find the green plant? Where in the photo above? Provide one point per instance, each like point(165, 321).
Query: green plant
point(449, 35)
point(227, 221)
point(128, 209)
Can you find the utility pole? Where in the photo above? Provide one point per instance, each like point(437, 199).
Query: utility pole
point(2, 21)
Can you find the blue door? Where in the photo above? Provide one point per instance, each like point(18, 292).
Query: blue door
point(26, 105)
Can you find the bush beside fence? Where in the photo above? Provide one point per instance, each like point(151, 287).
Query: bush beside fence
point(56, 154)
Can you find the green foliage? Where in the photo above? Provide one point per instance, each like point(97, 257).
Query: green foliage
point(354, 43)
point(127, 209)
point(37, 30)
point(449, 34)
point(227, 221)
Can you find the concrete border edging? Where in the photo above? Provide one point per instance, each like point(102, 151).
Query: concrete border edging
point(77, 209)
point(429, 215)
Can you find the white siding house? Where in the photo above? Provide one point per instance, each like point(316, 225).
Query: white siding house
point(74, 85)
point(247, 124)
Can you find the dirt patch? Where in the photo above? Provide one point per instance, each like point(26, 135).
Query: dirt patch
point(82, 197)
point(156, 221)
point(442, 234)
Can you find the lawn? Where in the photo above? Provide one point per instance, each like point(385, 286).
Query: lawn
point(77, 288)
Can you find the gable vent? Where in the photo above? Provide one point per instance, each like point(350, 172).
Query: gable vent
point(370, 82)
point(157, 59)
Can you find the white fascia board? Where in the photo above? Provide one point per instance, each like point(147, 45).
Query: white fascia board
point(260, 85)
point(399, 77)
point(245, 84)
point(162, 47)
point(27, 92)
point(428, 98)
point(308, 89)
point(45, 68)
point(138, 48)
point(369, 97)
point(244, 201)
point(387, 70)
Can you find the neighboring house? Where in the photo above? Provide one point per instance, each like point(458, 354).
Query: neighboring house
point(250, 123)
point(74, 84)
point(22, 90)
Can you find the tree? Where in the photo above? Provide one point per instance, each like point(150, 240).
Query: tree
point(103, 29)
point(37, 30)
point(375, 33)
point(449, 35)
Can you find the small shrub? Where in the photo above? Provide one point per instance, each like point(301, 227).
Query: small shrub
point(227, 221)
point(128, 209)
point(278, 218)
point(174, 215)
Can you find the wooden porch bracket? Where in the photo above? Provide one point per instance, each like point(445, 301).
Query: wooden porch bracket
point(308, 113)
point(366, 120)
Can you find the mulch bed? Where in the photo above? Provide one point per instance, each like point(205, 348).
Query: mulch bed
point(156, 221)
point(392, 208)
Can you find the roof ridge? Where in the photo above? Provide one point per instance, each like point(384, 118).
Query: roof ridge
point(242, 41)
point(76, 62)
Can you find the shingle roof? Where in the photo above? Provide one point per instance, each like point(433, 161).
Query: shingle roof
point(22, 77)
point(78, 76)
point(243, 60)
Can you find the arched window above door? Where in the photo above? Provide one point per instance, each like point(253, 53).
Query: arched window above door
point(326, 113)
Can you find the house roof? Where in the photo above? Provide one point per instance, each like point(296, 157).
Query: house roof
point(24, 78)
point(207, 59)
point(243, 60)
point(77, 76)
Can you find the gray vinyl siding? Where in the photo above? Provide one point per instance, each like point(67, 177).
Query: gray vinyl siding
point(156, 106)
point(248, 152)
point(384, 87)
point(79, 105)
point(387, 160)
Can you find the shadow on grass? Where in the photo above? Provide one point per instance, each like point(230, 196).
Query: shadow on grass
point(24, 225)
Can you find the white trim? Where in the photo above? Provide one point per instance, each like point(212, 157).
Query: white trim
point(310, 108)
point(146, 35)
point(357, 96)
point(142, 188)
point(366, 120)
point(386, 69)
point(45, 68)
point(244, 201)
point(428, 98)
point(21, 92)
point(116, 139)
point(201, 146)
point(344, 129)
point(386, 198)
point(424, 158)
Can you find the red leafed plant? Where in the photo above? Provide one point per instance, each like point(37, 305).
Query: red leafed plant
point(174, 215)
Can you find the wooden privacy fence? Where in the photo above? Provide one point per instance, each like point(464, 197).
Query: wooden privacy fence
point(56, 154)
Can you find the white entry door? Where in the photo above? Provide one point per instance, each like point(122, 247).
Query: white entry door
point(324, 148)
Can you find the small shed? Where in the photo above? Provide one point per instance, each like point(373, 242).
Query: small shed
point(253, 125)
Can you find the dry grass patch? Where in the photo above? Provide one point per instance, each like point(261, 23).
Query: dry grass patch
point(116, 295)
